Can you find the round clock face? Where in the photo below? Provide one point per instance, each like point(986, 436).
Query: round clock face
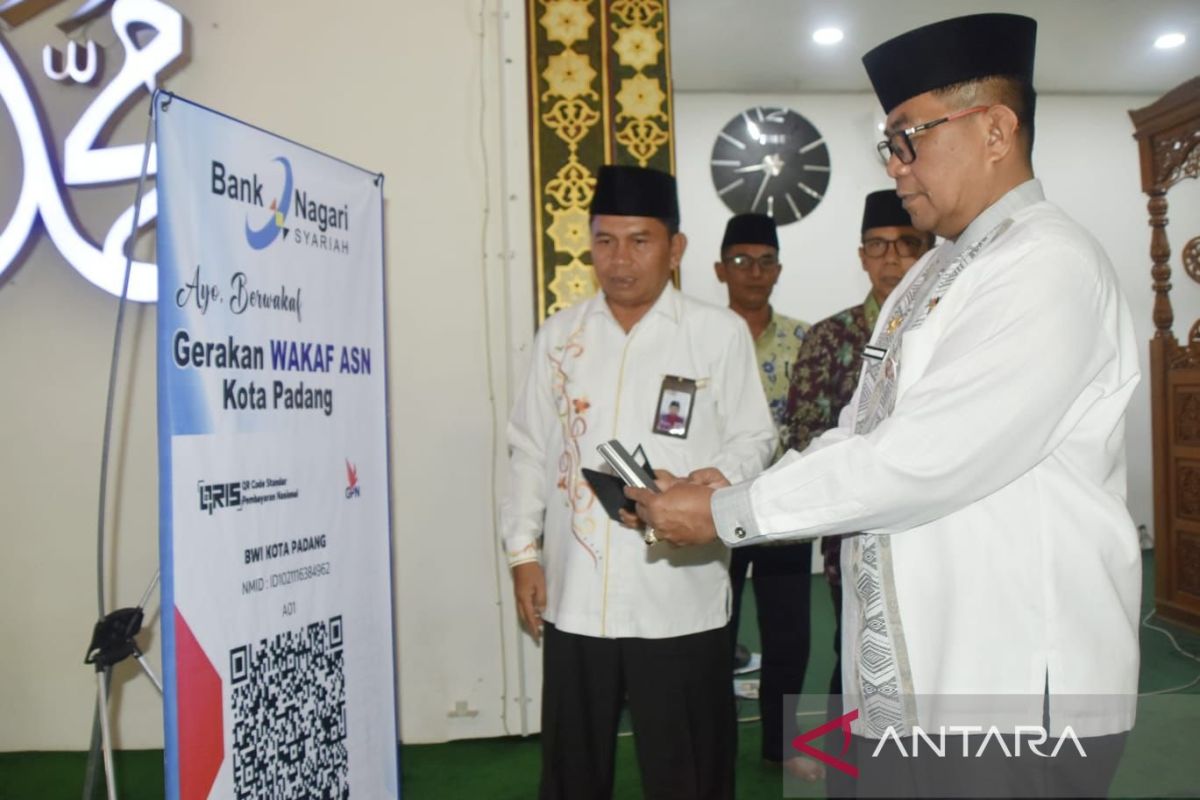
point(770, 161)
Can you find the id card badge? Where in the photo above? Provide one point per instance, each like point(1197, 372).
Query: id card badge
point(673, 414)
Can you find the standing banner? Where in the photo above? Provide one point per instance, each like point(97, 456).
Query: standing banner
point(272, 424)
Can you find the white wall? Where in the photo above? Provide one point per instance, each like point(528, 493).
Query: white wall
point(1084, 154)
point(393, 86)
point(415, 90)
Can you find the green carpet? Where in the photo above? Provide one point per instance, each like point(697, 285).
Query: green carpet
point(507, 769)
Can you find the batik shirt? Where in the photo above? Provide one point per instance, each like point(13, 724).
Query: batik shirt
point(776, 349)
point(822, 382)
point(826, 372)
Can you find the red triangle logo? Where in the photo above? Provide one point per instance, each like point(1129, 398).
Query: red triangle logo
point(801, 743)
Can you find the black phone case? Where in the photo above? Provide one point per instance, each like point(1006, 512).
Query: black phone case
point(610, 490)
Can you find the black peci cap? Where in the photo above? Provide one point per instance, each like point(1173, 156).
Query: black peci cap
point(750, 229)
point(626, 191)
point(949, 52)
point(883, 209)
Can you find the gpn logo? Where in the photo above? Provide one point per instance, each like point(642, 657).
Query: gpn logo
point(275, 224)
point(352, 488)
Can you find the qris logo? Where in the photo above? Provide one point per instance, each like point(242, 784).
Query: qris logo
point(220, 495)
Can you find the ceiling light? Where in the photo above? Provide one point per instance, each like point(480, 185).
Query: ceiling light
point(828, 35)
point(1168, 41)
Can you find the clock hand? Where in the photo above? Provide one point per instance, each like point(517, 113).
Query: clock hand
point(761, 187)
point(772, 163)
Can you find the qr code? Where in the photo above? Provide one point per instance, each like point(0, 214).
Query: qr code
point(288, 697)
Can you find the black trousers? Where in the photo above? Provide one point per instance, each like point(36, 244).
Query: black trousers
point(680, 700)
point(782, 582)
point(835, 680)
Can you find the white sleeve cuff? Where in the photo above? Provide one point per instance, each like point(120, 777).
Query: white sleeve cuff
point(733, 515)
point(521, 553)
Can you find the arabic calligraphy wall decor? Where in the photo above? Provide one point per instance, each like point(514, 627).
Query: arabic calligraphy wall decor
point(150, 34)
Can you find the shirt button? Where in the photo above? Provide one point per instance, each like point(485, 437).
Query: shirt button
point(739, 532)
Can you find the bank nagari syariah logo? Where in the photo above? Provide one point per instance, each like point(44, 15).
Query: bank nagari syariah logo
point(277, 221)
point(315, 225)
point(248, 190)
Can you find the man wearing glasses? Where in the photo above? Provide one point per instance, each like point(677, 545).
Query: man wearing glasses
point(826, 369)
point(997, 580)
point(749, 268)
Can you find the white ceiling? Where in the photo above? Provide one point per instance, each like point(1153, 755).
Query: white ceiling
point(766, 47)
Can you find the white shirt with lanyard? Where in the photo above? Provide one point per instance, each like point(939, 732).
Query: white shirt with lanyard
point(998, 481)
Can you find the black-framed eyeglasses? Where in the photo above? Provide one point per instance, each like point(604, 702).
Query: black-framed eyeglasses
point(906, 246)
point(899, 144)
point(765, 262)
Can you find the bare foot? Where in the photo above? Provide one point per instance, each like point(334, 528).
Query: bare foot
point(804, 768)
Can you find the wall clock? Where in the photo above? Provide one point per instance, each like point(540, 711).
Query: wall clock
point(770, 161)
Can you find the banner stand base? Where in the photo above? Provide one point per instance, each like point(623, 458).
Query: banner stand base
point(112, 642)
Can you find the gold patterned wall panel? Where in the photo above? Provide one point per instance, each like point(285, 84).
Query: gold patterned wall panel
point(599, 93)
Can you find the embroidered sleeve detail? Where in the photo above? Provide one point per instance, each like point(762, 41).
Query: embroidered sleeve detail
point(572, 416)
point(522, 555)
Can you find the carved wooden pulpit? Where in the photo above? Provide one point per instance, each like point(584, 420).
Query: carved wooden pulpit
point(1168, 136)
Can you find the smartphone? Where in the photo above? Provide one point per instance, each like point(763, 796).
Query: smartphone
point(626, 468)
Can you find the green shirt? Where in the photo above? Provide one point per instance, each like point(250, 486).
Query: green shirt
point(776, 348)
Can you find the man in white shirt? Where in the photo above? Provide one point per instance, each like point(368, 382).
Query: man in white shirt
point(983, 452)
point(623, 619)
